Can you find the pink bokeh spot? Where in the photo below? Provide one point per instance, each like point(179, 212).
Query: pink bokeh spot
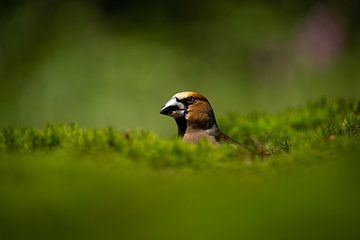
point(321, 38)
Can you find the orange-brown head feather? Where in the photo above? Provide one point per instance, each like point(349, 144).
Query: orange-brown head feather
point(200, 115)
point(194, 117)
point(187, 94)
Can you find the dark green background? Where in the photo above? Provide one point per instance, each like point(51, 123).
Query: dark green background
point(102, 62)
point(107, 63)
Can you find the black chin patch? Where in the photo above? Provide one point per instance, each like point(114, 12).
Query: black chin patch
point(182, 125)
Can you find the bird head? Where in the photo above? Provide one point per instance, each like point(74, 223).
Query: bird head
point(190, 110)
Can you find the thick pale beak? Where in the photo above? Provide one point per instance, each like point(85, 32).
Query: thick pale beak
point(173, 108)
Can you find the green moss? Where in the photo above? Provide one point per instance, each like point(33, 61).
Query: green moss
point(296, 178)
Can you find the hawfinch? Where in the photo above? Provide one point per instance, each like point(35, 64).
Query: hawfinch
point(195, 118)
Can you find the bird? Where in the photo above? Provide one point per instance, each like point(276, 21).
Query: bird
point(195, 118)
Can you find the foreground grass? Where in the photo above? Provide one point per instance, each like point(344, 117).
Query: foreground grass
point(296, 177)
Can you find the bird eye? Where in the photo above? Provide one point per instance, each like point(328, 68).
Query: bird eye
point(190, 100)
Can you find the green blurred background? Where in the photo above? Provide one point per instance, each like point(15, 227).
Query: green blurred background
point(114, 63)
point(106, 62)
